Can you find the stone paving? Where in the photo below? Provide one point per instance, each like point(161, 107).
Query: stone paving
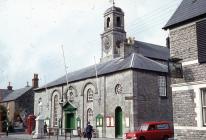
point(29, 137)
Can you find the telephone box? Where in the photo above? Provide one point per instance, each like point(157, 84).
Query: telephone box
point(30, 123)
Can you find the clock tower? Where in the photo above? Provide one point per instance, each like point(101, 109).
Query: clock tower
point(114, 33)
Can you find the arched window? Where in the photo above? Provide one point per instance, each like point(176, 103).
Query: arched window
point(89, 115)
point(108, 22)
point(118, 22)
point(40, 105)
point(71, 95)
point(99, 120)
point(89, 95)
point(118, 89)
point(55, 120)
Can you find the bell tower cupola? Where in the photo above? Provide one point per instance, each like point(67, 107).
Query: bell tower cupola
point(114, 33)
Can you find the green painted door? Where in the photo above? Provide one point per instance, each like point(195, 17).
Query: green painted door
point(118, 122)
point(70, 121)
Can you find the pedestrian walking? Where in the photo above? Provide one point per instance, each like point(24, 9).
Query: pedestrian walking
point(89, 130)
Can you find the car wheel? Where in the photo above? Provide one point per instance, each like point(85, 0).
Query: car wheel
point(165, 138)
point(141, 138)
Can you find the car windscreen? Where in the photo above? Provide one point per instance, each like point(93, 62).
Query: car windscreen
point(144, 127)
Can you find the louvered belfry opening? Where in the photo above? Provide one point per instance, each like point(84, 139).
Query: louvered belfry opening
point(201, 41)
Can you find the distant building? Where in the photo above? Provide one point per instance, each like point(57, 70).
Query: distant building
point(187, 31)
point(19, 103)
point(131, 86)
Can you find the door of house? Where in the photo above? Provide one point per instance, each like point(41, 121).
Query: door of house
point(70, 121)
point(118, 122)
point(70, 111)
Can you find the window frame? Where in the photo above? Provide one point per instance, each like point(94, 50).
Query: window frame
point(99, 120)
point(118, 21)
point(162, 86)
point(203, 107)
point(90, 114)
point(78, 122)
point(201, 43)
point(55, 111)
point(90, 95)
point(110, 121)
point(108, 22)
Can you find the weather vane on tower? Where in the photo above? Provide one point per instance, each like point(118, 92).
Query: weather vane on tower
point(113, 2)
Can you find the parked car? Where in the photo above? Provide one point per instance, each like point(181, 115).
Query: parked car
point(151, 131)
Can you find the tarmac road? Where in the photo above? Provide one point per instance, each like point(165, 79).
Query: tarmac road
point(29, 137)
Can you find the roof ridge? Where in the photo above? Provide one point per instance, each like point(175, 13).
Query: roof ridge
point(151, 44)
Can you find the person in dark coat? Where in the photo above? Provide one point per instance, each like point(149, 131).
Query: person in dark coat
point(89, 130)
point(45, 128)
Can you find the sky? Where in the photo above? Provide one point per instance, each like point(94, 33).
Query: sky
point(33, 31)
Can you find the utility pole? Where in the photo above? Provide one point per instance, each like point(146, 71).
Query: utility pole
point(62, 99)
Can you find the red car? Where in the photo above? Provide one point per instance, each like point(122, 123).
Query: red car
point(151, 131)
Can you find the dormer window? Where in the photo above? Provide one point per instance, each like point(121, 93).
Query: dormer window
point(118, 22)
point(108, 22)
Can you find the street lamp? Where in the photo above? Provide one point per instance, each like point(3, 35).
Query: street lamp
point(61, 119)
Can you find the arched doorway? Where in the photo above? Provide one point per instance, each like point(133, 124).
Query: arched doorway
point(118, 122)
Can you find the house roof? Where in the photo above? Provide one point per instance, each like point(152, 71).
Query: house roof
point(187, 11)
point(152, 50)
point(16, 94)
point(133, 61)
point(4, 93)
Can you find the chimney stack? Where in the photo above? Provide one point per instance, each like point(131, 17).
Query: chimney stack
point(27, 84)
point(9, 87)
point(35, 81)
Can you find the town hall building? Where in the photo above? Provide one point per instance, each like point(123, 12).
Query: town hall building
point(129, 86)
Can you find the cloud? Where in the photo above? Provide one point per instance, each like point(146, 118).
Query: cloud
point(32, 31)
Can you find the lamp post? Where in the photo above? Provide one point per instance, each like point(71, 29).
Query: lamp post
point(7, 122)
point(61, 119)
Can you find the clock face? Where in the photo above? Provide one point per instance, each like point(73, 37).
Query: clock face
point(107, 44)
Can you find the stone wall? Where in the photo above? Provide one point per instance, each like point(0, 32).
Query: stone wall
point(190, 134)
point(105, 100)
point(184, 46)
point(184, 108)
point(148, 105)
point(183, 43)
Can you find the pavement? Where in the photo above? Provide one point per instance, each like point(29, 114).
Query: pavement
point(23, 136)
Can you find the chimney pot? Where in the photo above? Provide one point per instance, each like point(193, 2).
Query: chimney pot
point(9, 87)
point(35, 81)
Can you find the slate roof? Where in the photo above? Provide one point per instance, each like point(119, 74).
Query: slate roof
point(188, 10)
point(133, 61)
point(4, 92)
point(16, 94)
point(152, 50)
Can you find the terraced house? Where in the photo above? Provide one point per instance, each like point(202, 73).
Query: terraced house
point(187, 31)
point(129, 86)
